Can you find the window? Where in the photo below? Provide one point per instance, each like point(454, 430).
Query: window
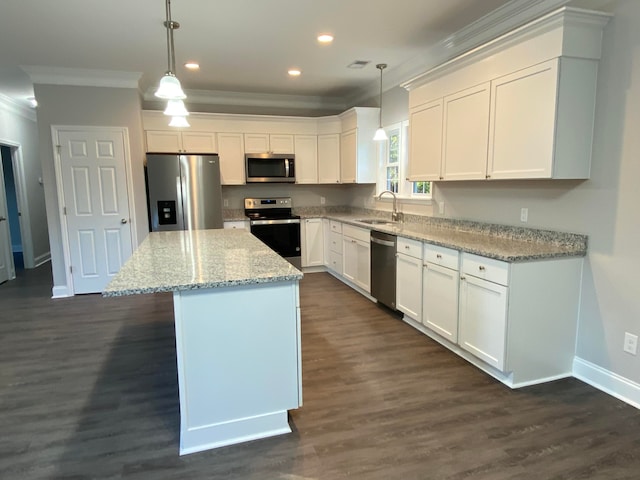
point(394, 159)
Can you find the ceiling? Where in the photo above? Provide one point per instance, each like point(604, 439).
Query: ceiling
point(243, 46)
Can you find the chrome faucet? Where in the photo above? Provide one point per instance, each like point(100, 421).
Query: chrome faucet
point(395, 215)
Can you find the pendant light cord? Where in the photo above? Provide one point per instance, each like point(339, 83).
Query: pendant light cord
point(171, 50)
point(381, 67)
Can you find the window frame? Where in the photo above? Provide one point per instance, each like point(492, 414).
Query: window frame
point(405, 187)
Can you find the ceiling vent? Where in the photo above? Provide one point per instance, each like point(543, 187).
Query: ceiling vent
point(359, 64)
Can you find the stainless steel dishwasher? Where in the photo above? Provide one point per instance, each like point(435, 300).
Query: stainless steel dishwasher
point(383, 268)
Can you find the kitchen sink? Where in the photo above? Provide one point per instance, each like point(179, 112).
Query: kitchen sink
point(376, 221)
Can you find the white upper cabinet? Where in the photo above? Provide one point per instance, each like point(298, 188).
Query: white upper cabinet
point(231, 151)
point(306, 149)
point(542, 121)
point(329, 158)
point(425, 141)
point(466, 134)
point(358, 151)
point(520, 107)
point(159, 141)
point(264, 142)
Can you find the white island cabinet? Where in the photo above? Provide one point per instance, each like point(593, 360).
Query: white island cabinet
point(230, 292)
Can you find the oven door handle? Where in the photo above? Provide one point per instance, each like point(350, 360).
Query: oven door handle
point(283, 221)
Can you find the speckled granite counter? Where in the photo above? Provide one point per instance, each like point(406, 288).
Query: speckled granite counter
point(502, 242)
point(188, 260)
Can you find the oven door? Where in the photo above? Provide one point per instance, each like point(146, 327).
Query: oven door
point(282, 235)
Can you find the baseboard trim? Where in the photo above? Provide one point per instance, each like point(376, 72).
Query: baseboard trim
point(609, 382)
point(41, 259)
point(60, 291)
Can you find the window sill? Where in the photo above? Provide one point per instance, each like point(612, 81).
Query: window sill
point(405, 199)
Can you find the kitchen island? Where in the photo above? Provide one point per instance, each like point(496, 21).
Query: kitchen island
point(237, 322)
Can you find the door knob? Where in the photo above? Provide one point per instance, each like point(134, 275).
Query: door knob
point(2, 219)
point(123, 221)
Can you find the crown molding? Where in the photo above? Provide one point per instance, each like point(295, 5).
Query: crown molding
point(496, 23)
point(82, 77)
point(220, 97)
point(12, 106)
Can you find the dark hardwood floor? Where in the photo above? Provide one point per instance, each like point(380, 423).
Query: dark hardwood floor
point(88, 390)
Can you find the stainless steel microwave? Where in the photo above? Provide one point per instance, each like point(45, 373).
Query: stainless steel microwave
point(270, 167)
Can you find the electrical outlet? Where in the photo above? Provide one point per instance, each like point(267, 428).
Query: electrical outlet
point(630, 343)
point(225, 202)
point(441, 208)
point(323, 200)
point(524, 215)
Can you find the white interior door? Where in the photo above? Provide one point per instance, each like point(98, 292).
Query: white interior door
point(94, 183)
point(6, 259)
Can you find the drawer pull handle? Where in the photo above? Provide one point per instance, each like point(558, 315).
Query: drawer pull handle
point(438, 256)
point(481, 268)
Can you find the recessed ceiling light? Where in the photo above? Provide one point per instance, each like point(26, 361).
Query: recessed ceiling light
point(325, 38)
point(192, 65)
point(294, 72)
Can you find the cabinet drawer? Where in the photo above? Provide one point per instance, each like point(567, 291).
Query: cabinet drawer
point(410, 247)
point(336, 226)
point(335, 242)
point(356, 232)
point(445, 257)
point(487, 268)
point(335, 262)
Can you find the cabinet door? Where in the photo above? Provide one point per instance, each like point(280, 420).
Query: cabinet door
point(348, 156)
point(483, 319)
point(281, 143)
point(349, 259)
point(425, 142)
point(523, 112)
point(256, 143)
point(329, 158)
point(466, 134)
point(363, 268)
point(231, 151)
point(163, 142)
point(306, 148)
point(409, 285)
point(199, 142)
point(313, 248)
point(440, 300)
point(326, 233)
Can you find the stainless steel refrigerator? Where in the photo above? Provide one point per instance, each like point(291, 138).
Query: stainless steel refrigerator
point(183, 192)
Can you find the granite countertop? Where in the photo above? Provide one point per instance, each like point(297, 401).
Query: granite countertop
point(188, 260)
point(499, 243)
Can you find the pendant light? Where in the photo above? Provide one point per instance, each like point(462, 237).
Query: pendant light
point(169, 87)
point(380, 133)
point(176, 108)
point(179, 121)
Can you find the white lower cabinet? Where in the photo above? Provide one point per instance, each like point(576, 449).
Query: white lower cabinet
point(409, 277)
point(333, 246)
point(237, 224)
point(356, 256)
point(483, 319)
point(312, 242)
point(440, 280)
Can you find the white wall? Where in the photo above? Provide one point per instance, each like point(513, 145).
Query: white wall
point(604, 207)
point(18, 128)
point(88, 106)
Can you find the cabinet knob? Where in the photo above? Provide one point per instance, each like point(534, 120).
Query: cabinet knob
point(438, 256)
point(441, 178)
point(407, 247)
point(463, 278)
point(488, 176)
point(481, 268)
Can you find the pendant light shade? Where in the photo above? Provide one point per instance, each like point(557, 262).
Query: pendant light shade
point(176, 108)
point(380, 133)
point(170, 88)
point(179, 122)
